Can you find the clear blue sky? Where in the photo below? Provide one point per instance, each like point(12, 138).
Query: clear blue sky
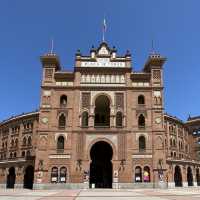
point(27, 26)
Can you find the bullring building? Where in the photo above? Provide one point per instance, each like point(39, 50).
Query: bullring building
point(101, 126)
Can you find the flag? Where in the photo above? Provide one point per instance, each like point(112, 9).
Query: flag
point(104, 29)
point(104, 25)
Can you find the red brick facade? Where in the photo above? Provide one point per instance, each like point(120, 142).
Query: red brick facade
point(102, 125)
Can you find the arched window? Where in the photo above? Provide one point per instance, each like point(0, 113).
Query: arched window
point(12, 143)
point(63, 101)
point(54, 175)
point(141, 121)
point(174, 154)
point(24, 141)
point(23, 153)
point(62, 121)
point(11, 155)
point(60, 143)
point(15, 154)
point(28, 153)
point(146, 175)
point(138, 174)
point(63, 174)
point(102, 111)
point(16, 142)
point(142, 143)
point(29, 140)
point(174, 142)
point(119, 119)
point(141, 100)
point(85, 119)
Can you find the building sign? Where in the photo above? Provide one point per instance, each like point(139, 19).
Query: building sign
point(102, 62)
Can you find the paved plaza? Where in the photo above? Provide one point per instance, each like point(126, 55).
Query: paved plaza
point(102, 194)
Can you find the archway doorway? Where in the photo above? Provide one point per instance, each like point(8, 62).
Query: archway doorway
point(11, 178)
point(198, 177)
point(29, 177)
point(102, 111)
point(101, 166)
point(189, 176)
point(178, 177)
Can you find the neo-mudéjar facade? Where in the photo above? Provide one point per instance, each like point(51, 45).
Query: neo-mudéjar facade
point(101, 126)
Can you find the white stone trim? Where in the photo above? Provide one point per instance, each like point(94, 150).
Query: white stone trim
point(59, 134)
point(141, 156)
point(60, 156)
point(142, 134)
point(91, 137)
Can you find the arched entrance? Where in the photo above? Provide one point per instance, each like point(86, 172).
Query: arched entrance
point(11, 178)
point(28, 177)
point(178, 177)
point(101, 166)
point(102, 111)
point(198, 177)
point(189, 176)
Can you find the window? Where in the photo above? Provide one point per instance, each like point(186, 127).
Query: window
point(141, 121)
point(63, 101)
point(63, 174)
point(85, 119)
point(60, 142)
point(29, 140)
point(12, 143)
point(141, 100)
point(119, 119)
point(174, 142)
point(24, 141)
point(16, 142)
point(138, 174)
point(174, 154)
point(54, 175)
point(62, 121)
point(15, 154)
point(142, 143)
point(28, 153)
point(23, 153)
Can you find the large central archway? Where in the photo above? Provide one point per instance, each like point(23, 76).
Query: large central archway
point(101, 166)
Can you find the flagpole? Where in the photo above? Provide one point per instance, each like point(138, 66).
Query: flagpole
point(52, 46)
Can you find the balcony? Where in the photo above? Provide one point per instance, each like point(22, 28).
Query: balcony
point(60, 151)
point(61, 127)
point(101, 125)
